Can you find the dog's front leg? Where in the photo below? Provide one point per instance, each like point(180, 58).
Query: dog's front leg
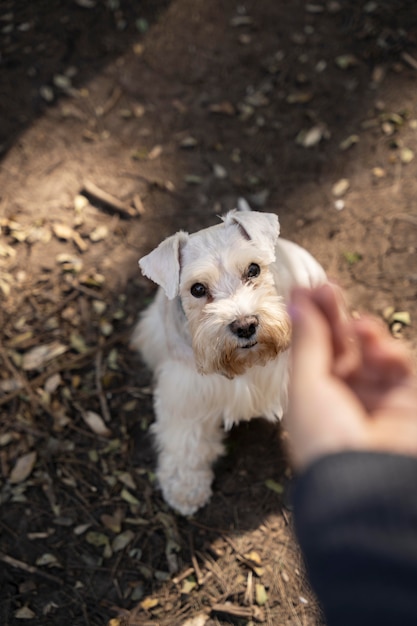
point(188, 436)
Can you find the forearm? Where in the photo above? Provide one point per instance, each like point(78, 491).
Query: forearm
point(356, 521)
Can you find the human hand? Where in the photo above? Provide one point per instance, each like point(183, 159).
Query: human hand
point(352, 385)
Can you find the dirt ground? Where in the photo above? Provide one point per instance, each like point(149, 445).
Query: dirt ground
point(176, 108)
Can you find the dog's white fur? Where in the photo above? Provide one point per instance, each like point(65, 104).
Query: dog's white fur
point(208, 372)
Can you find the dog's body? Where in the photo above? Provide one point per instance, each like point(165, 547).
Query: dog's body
point(217, 338)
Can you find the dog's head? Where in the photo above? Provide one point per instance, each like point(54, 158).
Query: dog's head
point(236, 317)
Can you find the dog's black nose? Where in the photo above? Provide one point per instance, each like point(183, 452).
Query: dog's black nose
point(244, 327)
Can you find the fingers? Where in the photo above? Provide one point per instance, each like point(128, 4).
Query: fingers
point(326, 302)
point(384, 359)
point(346, 352)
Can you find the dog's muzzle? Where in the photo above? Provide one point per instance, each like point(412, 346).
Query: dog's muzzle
point(245, 327)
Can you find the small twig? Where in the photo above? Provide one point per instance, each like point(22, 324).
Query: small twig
point(180, 577)
point(248, 598)
point(31, 569)
point(285, 516)
point(232, 609)
point(197, 570)
point(101, 395)
point(110, 103)
point(117, 205)
point(85, 290)
point(409, 59)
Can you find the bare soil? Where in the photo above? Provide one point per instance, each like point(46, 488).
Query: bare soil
point(176, 108)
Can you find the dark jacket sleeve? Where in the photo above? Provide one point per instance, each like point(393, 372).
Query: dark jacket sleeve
point(355, 518)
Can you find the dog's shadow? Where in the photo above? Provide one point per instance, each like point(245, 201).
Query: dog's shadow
point(251, 479)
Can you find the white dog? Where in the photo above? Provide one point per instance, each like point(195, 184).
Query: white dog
point(217, 338)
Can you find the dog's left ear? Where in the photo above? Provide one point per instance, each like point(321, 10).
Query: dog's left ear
point(262, 228)
point(162, 265)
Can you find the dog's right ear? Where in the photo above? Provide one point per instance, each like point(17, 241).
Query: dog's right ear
point(162, 265)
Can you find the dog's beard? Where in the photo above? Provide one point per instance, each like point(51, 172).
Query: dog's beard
point(218, 350)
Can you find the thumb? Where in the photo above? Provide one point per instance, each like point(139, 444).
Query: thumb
point(312, 349)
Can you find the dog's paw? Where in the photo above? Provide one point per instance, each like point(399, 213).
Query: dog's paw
point(188, 491)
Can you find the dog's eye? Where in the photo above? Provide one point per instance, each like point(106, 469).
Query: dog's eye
point(253, 270)
point(198, 290)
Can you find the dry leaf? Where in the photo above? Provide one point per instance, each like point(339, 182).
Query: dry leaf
point(52, 383)
point(406, 155)
point(261, 596)
point(78, 343)
point(352, 257)
point(274, 486)
point(113, 522)
point(106, 328)
point(47, 559)
point(193, 179)
point(96, 423)
point(223, 108)
point(99, 306)
point(40, 234)
point(92, 280)
point(126, 479)
point(38, 356)
point(378, 172)
point(346, 61)
point(5, 287)
point(149, 603)
point(254, 557)
point(257, 99)
point(24, 613)
point(340, 188)
point(189, 142)
point(300, 97)
point(311, 137)
point(188, 586)
point(97, 539)
point(349, 142)
point(402, 317)
point(81, 529)
point(155, 153)
point(128, 497)
point(99, 233)
point(219, 171)
point(80, 203)
point(62, 231)
point(70, 263)
point(23, 468)
point(121, 541)
point(241, 20)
